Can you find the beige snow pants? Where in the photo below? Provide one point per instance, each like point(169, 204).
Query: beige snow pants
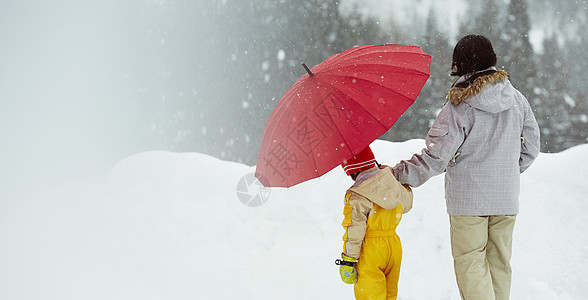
point(482, 248)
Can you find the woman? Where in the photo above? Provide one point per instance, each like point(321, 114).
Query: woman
point(484, 137)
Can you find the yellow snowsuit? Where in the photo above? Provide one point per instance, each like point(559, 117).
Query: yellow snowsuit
point(373, 208)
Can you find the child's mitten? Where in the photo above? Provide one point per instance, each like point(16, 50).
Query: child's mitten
point(347, 268)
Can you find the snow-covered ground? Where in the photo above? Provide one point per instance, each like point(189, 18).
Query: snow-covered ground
point(171, 226)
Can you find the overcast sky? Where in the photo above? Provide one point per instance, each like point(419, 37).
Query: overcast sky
point(65, 71)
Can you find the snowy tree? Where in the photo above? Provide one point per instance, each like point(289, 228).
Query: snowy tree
point(220, 107)
point(214, 70)
point(436, 44)
point(488, 23)
point(415, 122)
point(516, 51)
point(361, 30)
point(555, 95)
point(576, 50)
point(573, 99)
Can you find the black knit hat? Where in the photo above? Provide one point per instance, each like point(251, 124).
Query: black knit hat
point(472, 53)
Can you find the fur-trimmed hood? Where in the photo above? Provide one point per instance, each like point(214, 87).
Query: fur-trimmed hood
point(489, 91)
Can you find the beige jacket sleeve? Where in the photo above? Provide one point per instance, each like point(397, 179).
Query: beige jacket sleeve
point(381, 188)
point(356, 212)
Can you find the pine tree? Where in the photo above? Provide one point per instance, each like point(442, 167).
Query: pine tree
point(359, 29)
point(218, 103)
point(555, 93)
point(488, 21)
point(518, 55)
point(415, 122)
point(520, 63)
point(576, 53)
point(268, 41)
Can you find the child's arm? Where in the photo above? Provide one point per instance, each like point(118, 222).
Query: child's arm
point(356, 212)
point(406, 198)
point(401, 192)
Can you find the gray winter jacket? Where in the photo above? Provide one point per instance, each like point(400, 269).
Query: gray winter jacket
point(484, 137)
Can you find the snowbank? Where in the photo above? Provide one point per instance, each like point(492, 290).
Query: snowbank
point(171, 226)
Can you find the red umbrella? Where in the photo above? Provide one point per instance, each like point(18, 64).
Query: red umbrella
point(337, 109)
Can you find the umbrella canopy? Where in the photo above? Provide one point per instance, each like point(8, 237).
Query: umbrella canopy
point(337, 109)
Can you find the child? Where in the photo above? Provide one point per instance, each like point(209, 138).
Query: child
point(373, 208)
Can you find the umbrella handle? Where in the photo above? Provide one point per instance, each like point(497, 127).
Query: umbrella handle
point(307, 69)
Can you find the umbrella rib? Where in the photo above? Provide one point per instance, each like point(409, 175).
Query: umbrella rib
point(359, 51)
point(362, 51)
point(370, 81)
point(366, 110)
point(339, 68)
point(337, 57)
point(312, 156)
point(384, 127)
point(361, 91)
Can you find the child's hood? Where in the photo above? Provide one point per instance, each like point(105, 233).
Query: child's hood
point(381, 187)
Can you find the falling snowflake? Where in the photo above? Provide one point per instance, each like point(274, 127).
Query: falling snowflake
point(281, 55)
point(265, 65)
point(569, 100)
